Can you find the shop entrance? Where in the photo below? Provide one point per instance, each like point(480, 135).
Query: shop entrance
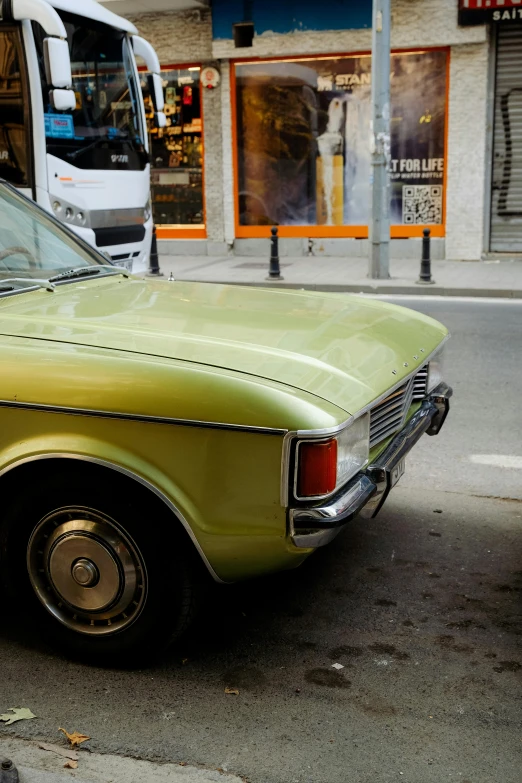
point(506, 196)
point(177, 157)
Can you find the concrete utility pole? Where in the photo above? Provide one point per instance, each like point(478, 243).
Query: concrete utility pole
point(379, 266)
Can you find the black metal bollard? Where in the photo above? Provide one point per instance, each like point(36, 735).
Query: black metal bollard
point(274, 272)
point(425, 269)
point(154, 269)
point(8, 772)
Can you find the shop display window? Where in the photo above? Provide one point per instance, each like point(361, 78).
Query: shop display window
point(302, 138)
point(177, 155)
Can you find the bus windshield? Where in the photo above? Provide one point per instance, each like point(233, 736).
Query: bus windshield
point(105, 130)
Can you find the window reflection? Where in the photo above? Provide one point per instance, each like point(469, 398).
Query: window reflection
point(177, 152)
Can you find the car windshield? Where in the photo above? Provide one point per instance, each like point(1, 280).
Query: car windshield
point(34, 246)
point(104, 130)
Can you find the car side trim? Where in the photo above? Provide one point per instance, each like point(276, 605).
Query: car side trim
point(218, 425)
point(126, 472)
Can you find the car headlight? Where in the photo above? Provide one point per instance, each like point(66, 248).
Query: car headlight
point(147, 212)
point(323, 466)
point(353, 446)
point(436, 371)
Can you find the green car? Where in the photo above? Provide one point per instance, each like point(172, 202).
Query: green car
point(153, 432)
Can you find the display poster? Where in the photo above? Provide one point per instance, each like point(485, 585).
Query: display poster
point(59, 126)
point(303, 140)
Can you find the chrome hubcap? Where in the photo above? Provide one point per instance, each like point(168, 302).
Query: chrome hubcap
point(86, 571)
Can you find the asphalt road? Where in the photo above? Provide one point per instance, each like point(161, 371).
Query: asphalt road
point(484, 367)
point(420, 606)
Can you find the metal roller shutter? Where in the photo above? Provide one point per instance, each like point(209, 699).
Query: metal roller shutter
point(506, 197)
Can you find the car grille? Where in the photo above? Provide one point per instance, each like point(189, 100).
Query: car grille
point(420, 384)
point(389, 415)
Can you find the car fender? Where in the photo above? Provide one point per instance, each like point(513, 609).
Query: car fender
point(86, 449)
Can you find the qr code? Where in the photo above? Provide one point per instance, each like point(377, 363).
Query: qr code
point(421, 204)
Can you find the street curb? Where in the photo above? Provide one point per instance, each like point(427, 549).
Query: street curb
point(366, 288)
point(36, 765)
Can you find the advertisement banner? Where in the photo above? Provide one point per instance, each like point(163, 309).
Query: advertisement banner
point(303, 140)
point(481, 11)
point(290, 16)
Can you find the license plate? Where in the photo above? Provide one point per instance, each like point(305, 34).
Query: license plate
point(397, 472)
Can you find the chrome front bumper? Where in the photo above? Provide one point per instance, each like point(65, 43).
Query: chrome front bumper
point(314, 526)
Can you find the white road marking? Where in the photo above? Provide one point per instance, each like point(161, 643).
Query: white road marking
point(497, 460)
point(434, 298)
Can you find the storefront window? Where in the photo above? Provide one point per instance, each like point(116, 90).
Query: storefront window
point(303, 151)
point(177, 154)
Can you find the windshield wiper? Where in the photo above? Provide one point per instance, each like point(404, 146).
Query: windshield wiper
point(86, 271)
point(21, 283)
point(99, 140)
point(27, 282)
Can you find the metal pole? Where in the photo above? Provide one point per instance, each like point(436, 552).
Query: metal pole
point(425, 269)
point(274, 272)
point(154, 268)
point(8, 771)
point(379, 266)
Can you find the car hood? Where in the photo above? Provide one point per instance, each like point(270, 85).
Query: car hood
point(345, 349)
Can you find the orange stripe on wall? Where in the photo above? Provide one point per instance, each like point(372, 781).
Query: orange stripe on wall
point(180, 233)
point(328, 232)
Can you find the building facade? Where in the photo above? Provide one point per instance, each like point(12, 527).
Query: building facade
point(268, 104)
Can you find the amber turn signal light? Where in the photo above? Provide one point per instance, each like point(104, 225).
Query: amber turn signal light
point(317, 468)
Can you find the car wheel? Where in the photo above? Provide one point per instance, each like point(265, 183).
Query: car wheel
point(102, 564)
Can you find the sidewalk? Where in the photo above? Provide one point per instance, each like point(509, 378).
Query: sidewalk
point(452, 278)
point(40, 766)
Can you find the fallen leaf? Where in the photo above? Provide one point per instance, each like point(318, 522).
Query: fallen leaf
point(65, 752)
point(337, 666)
point(232, 691)
point(71, 765)
point(184, 661)
point(75, 738)
point(19, 713)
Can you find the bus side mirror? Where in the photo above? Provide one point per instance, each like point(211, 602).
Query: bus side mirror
point(58, 74)
point(155, 85)
point(156, 91)
point(62, 100)
point(57, 63)
point(160, 119)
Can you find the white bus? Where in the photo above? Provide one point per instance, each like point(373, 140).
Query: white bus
point(73, 133)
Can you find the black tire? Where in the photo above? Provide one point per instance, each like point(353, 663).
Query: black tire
point(101, 518)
